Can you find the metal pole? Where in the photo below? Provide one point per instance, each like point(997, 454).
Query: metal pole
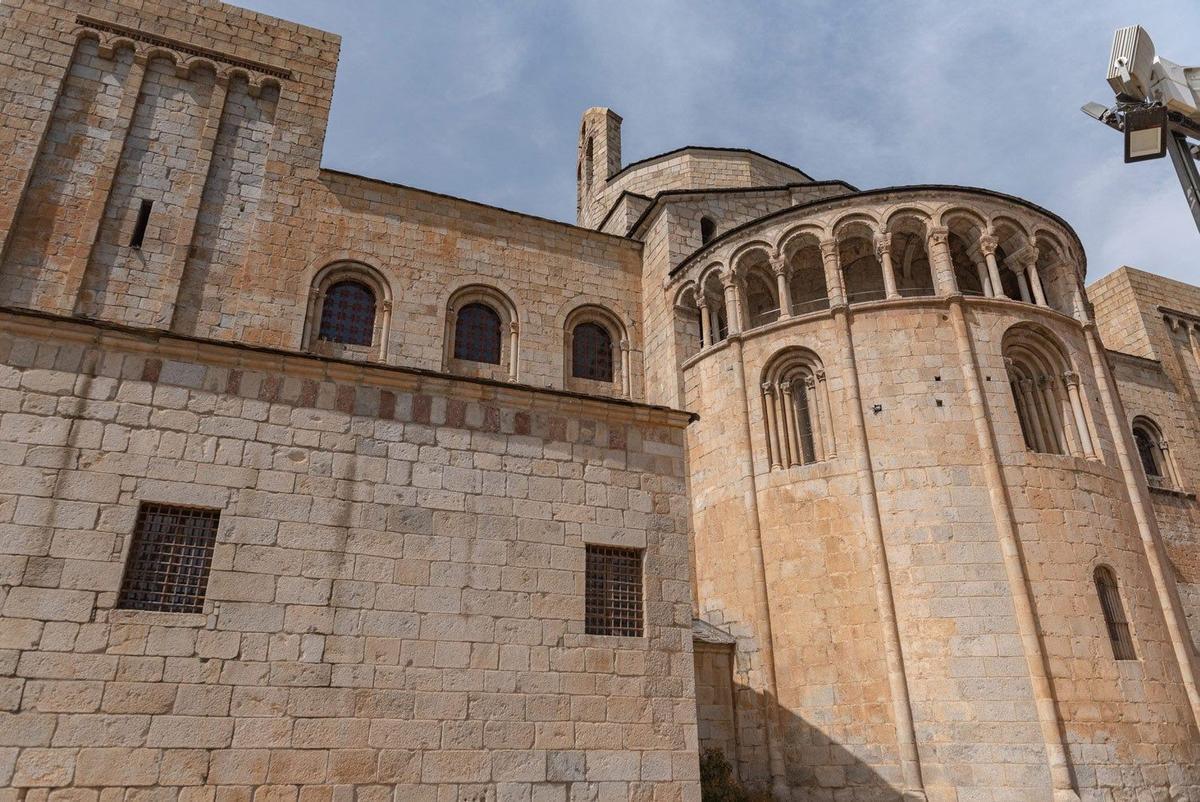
point(1185, 168)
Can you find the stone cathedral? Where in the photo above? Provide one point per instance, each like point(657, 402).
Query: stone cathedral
point(319, 488)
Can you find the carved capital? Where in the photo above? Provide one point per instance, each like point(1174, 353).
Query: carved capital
point(820, 375)
point(810, 382)
point(829, 249)
point(1027, 256)
point(883, 245)
point(786, 387)
point(779, 265)
point(1009, 364)
point(938, 235)
point(513, 327)
point(386, 306)
point(1071, 378)
point(768, 388)
point(988, 245)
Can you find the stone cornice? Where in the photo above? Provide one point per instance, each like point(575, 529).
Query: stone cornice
point(393, 378)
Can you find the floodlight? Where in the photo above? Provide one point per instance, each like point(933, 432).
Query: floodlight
point(1145, 134)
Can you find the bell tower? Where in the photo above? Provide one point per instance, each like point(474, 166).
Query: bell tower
point(599, 160)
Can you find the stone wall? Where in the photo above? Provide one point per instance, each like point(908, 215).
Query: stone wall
point(1156, 364)
point(229, 159)
point(396, 597)
point(966, 669)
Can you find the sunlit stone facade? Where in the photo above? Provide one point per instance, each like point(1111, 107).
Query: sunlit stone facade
point(316, 487)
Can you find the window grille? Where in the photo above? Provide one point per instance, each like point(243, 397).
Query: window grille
point(170, 559)
point(614, 591)
point(591, 353)
point(804, 421)
point(477, 335)
point(1114, 614)
point(1145, 448)
point(348, 314)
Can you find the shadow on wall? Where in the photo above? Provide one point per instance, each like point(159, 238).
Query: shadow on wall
point(818, 769)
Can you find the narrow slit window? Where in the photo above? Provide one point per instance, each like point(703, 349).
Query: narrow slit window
point(614, 592)
point(1114, 614)
point(170, 559)
point(143, 220)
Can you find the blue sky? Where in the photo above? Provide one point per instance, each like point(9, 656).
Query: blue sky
point(482, 99)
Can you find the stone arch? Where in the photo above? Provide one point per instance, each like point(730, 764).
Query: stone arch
point(686, 321)
point(862, 270)
point(966, 228)
point(316, 318)
point(1045, 392)
point(1055, 271)
point(906, 233)
point(711, 300)
point(1011, 237)
point(800, 252)
point(619, 373)
point(752, 267)
point(467, 313)
point(795, 409)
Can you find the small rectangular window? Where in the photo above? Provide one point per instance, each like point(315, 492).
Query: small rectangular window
point(170, 559)
point(139, 228)
point(614, 592)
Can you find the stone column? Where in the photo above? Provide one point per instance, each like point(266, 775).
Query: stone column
point(769, 418)
point(195, 193)
point(106, 173)
point(1152, 545)
point(1029, 259)
point(626, 369)
point(383, 325)
point(985, 281)
point(733, 308)
point(779, 267)
point(705, 322)
point(1050, 400)
point(787, 404)
point(906, 737)
point(513, 351)
point(833, 272)
point(1022, 283)
point(1193, 336)
point(744, 471)
point(883, 249)
point(826, 416)
point(1036, 660)
point(940, 262)
point(987, 246)
point(1071, 379)
point(1032, 414)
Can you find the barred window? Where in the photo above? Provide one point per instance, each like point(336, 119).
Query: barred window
point(591, 353)
point(477, 334)
point(614, 591)
point(348, 314)
point(170, 559)
point(1114, 614)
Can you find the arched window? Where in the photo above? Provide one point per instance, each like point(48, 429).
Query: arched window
point(477, 336)
point(591, 353)
point(1115, 622)
point(349, 308)
point(707, 230)
point(1152, 451)
point(796, 411)
point(596, 351)
point(1046, 394)
point(348, 314)
point(481, 333)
